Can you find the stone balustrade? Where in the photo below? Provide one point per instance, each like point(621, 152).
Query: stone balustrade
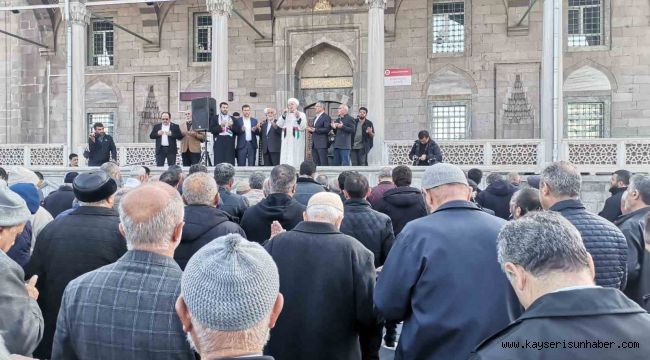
point(523, 156)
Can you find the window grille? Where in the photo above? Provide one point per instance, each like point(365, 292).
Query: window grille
point(585, 25)
point(202, 37)
point(449, 122)
point(104, 118)
point(448, 27)
point(585, 120)
point(102, 43)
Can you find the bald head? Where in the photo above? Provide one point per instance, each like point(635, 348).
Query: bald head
point(150, 215)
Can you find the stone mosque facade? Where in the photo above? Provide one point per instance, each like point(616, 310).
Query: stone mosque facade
point(471, 68)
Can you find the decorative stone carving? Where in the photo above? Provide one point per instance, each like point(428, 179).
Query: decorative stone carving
point(51, 156)
point(463, 154)
point(380, 4)
point(149, 116)
point(79, 14)
point(322, 5)
point(12, 156)
point(220, 7)
point(637, 154)
point(514, 154)
point(592, 154)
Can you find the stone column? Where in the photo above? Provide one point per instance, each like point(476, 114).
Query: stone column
point(220, 11)
point(79, 19)
point(552, 104)
point(375, 82)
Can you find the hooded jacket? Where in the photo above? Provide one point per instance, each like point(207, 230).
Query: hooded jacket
point(203, 224)
point(496, 197)
point(402, 205)
point(257, 219)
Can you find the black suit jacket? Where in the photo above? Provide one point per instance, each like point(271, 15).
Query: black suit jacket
point(344, 135)
point(102, 151)
point(322, 126)
point(271, 141)
point(238, 125)
point(176, 135)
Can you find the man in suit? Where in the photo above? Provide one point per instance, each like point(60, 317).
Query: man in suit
point(101, 147)
point(270, 139)
point(344, 127)
point(246, 130)
point(166, 134)
point(320, 138)
point(191, 142)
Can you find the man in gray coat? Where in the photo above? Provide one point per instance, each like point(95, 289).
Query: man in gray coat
point(21, 322)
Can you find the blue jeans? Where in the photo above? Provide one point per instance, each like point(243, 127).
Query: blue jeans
point(341, 157)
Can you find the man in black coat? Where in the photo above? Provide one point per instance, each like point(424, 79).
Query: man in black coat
point(166, 134)
point(567, 316)
point(61, 199)
point(403, 203)
point(619, 183)
point(637, 205)
point(327, 280)
point(101, 147)
point(232, 203)
point(362, 138)
point(497, 195)
point(306, 186)
point(425, 151)
point(203, 221)
point(271, 139)
point(448, 305)
point(559, 191)
point(84, 240)
point(372, 228)
point(246, 128)
point(320, 135)
point(344, 128)
point(279, 206)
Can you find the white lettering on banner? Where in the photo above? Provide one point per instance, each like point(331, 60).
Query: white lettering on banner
point(397, 77)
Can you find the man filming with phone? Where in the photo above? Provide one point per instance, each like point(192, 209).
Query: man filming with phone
point(101, 147)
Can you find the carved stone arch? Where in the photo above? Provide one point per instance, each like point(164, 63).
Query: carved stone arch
point(328, 96)
point(339, 62)
point(319, 43)
point(588, 75)
point(450, 80)
point(47, 20)
point(102, 91)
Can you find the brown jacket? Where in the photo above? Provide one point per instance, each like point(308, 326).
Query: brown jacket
point(191, 141)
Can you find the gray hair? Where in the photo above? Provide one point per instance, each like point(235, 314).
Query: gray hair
point(641, 183)
point(325, 213)
point(156, 231)
point(256, 180)
point(320, 103)
point(542, 242)
point(283, 178)
point(200, 189)
point(266, 187)
point(322, 179)
point(562, 178)
point(223, 173)
point(113, 171)
point(386, 173)
point(249, 340)
point(494, 177)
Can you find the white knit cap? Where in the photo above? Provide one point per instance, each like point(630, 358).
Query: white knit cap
point(13, 209)
point(230, 284)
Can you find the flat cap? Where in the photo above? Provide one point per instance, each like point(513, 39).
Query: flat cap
point(442, 174)
point(93, 186)
point(13, 209)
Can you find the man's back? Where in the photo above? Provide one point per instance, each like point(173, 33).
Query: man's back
point(276, 207)
point(58, 201)
point(123, 311)
point(327, 280)
point(603, 240)
point(582, 324)
point(372, 228)
point(402, 204)
point(496, 197)
point(86, 239)
point(305, 188)
point(443, 279)
point(232, 203)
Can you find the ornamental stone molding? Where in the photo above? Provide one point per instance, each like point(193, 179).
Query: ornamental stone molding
point(220, 7)
point(376, 4)
point(79, 14)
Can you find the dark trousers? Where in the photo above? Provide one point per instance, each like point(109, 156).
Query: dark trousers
point(341, 157)
point(248, 152)
point(190, 158)
point(165, 153)
point(320, 157)
point(271, 158)
point(359, 157)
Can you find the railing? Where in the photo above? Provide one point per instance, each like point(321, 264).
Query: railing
point(591, 156)
point(502, 155)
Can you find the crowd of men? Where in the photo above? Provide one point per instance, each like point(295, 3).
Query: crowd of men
point(299, 266)
point(239, 138)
